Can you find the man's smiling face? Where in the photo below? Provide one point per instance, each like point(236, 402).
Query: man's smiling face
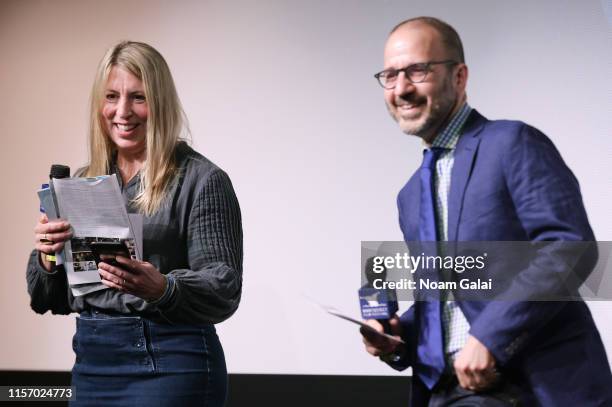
point(421, 109)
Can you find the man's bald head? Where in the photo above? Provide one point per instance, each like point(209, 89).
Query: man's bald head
point(449, 36)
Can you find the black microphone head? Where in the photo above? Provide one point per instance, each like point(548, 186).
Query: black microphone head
point(59, 171)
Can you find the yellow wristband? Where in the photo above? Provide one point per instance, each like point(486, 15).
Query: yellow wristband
point(50, 257)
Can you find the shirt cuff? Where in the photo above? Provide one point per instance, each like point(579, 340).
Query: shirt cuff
point(167, 295)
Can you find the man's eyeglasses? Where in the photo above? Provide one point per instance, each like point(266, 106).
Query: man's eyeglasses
point(415, 73)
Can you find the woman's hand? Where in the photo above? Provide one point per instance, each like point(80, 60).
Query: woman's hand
point(138, 278)
point(50, 238)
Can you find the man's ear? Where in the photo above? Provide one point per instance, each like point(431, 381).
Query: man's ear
point(461, 76)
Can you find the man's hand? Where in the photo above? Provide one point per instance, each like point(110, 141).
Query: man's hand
point(378, 345)
point(475, 366)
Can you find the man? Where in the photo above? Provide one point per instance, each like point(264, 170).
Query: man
point(490, 181)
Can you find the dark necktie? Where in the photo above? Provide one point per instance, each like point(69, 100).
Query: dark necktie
point(430, 346)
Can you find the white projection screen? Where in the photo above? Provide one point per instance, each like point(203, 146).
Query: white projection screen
point(280, 94)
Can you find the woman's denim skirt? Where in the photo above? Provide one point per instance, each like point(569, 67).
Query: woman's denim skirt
point(132, 361)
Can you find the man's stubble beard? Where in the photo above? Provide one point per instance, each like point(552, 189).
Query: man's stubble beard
point(437, 117)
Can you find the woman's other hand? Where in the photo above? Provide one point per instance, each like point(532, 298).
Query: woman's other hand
point(135, 277)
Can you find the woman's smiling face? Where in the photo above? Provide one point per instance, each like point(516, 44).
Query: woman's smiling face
point(125, 111)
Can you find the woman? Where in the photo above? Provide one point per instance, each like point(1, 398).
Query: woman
point(149, 338)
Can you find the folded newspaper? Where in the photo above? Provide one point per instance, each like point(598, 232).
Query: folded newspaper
point(96, 211)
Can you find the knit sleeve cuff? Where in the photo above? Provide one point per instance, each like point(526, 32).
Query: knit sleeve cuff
point(168, 293)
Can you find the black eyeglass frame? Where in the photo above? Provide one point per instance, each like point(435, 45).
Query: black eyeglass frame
point(425, 65)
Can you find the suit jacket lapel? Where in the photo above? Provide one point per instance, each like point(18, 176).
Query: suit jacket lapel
point(465, 153)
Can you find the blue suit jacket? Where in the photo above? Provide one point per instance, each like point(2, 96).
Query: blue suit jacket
point(509, 183)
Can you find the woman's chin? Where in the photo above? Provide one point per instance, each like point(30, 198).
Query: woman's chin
point(129, 147)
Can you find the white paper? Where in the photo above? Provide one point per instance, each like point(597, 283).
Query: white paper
point(95, 209)
point(335, 312)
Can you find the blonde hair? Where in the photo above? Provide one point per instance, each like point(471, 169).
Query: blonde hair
point(166, 121)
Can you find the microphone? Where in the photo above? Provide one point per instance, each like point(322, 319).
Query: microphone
point(379, 304)
point(57, 171)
